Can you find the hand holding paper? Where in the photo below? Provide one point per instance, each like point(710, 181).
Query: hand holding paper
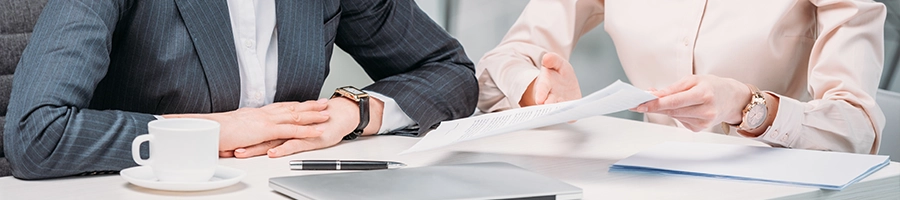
point(615, 97)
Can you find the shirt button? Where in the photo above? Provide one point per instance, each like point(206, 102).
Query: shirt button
point(248, 43)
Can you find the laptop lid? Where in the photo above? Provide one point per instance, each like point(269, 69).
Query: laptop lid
point(492, 180)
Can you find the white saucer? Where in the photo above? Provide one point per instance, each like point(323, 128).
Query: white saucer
point(143, 176)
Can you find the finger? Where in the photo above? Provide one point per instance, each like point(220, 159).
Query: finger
point(318, 105)
point(293, 146)
point(258, 149)
point(675, 101)
point(541, 88)
point(552, 61)
point(300, 117)
point(701, 111)
point(684, 84)
point(644, 106)
point(641, 108)
point(226, 154)
point(291, 131)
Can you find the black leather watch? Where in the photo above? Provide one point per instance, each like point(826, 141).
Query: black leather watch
point(360, 97)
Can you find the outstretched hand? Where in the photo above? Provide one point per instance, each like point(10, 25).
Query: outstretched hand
point(555, 83)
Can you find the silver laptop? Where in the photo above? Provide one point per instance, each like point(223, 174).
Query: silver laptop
point(492, 180)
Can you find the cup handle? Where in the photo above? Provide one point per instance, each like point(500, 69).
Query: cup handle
point(136, 149)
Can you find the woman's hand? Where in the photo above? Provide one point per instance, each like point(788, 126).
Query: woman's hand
point(556, 83)
point(700, 101)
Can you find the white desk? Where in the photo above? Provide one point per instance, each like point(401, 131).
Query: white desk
point(579, 154)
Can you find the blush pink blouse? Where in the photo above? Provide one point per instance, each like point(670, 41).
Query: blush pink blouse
point(823, 58)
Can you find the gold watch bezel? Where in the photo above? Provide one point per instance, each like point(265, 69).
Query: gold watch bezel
point(756, 100)
point(350, 92)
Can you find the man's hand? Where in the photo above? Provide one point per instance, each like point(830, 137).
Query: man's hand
point(343, 119)
point(250, 126)
point(556, 83)
point(699, 101)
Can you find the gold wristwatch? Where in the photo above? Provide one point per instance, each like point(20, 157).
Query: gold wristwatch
point(753, 115)
point(360, 97)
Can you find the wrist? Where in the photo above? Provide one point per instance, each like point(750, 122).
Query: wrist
point(350, 109)
point(528, 96)
point(745, 94)
point(772, 111)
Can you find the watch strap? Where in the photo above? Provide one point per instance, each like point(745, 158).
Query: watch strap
point(363, 119)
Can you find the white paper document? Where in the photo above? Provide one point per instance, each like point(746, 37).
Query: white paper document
point(822, 169)
point(614, 98)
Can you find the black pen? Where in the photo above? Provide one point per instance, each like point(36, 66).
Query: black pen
point(344, 165)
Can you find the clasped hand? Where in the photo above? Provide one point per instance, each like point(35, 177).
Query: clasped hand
point(282, 128)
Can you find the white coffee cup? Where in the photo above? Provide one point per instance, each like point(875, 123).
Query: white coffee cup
point(181, 149)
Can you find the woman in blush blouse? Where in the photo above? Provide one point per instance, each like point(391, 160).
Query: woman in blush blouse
point(791, 73)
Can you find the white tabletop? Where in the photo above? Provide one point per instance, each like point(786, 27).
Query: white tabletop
point(579, 154)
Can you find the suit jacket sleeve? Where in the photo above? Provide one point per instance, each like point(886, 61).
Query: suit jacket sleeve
point(410, 58)
point(49, 131)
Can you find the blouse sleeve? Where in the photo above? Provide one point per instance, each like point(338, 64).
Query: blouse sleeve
point(844, 69)
point(544, 26)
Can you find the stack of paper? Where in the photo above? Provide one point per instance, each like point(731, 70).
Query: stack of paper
point(616, 97)
point(822, 169)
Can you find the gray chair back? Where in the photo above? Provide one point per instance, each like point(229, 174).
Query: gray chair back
point(890, 138)
point(890, 76)
point(17, 18)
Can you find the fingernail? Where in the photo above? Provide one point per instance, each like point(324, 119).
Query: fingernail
point(240, 150)
point(272, 151)
point(322, 100)
point(641, 109)
point(323, 113)
point(320, 129)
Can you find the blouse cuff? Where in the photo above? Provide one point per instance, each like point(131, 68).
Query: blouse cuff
point(786, 128)
point(522, 78)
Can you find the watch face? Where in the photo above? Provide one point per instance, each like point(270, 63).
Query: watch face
point(354, 90)
point(756, 115)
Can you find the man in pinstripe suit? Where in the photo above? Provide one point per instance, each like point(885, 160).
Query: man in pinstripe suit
point(96, 72)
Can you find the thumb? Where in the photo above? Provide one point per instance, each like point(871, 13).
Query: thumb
point(552, 61)
point(541, 88)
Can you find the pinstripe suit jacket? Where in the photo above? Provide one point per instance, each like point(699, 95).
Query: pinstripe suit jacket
point(96, 71)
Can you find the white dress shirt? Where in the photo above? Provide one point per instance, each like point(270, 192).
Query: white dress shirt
point(256, 44)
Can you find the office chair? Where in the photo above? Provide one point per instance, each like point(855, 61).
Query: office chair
point(17, 19)
point(890, 138)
